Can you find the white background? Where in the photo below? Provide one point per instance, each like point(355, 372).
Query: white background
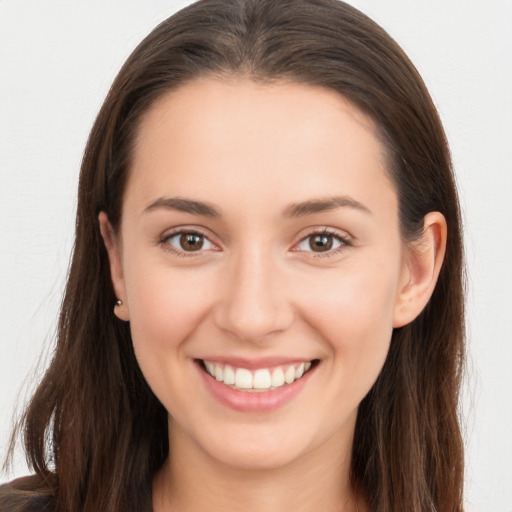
point(57, 60)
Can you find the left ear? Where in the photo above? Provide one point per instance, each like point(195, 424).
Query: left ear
point(111, 242)
point(423, 261)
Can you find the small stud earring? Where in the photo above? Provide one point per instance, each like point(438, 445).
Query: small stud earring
point(119, 302)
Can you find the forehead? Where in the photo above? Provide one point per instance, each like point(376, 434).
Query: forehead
point(208, 106)
point(283, 140)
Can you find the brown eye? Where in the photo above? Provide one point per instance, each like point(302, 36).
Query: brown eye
point(187, 242)
point(191, 241)
point(321, 243)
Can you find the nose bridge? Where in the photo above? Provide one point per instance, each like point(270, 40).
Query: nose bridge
point(254, 303)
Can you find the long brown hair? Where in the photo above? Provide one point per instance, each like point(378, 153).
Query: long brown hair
point(94, 433)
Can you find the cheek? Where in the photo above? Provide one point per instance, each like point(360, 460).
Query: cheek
point(165, 306)
point(357, 298)
point(353, 312)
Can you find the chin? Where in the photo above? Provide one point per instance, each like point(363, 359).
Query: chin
point(249, 446)
point(256, 458)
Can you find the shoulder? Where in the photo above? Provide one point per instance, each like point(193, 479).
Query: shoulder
point(26, 494)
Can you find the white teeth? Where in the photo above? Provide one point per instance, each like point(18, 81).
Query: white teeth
point(243, 378)
point(261, 379)
point(299, 372)
point(289, 375)
point(277, 377)
point(210, 367)
point(229, 375)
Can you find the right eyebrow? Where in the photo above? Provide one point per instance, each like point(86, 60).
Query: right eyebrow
point(181, 204)
point(324, 205)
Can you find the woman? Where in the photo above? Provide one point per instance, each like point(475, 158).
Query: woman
point(266, 202)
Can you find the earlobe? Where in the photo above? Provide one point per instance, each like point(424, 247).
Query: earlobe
point(116, 270)
point(422, 265)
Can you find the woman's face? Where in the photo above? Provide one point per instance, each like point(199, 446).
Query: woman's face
point(259, 238)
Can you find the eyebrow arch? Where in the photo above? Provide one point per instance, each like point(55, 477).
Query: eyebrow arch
point(183, 205)
point(313, 206)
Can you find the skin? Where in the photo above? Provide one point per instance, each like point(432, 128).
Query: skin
point(256, 288)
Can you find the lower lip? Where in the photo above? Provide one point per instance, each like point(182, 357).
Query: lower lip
point(259, 401)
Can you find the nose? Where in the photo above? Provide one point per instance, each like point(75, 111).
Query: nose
point(253, 304)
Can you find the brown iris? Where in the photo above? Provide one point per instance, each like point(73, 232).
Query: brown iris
point(191, 241)
point(321, 243)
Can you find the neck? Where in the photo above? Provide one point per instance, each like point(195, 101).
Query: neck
point(192, 481)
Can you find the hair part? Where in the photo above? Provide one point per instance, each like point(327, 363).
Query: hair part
point(94, 432)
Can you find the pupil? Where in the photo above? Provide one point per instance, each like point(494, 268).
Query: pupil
point(191, 241)
point(321, 243)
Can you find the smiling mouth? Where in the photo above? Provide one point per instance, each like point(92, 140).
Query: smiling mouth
point(259, 380)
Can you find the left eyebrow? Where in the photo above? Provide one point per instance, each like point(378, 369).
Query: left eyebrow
point(181, 204)
point(313, 206)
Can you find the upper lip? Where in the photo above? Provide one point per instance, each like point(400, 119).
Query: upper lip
point(254, 364)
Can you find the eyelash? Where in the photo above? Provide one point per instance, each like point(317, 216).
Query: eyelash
point(344, 242)
point(164, 242)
